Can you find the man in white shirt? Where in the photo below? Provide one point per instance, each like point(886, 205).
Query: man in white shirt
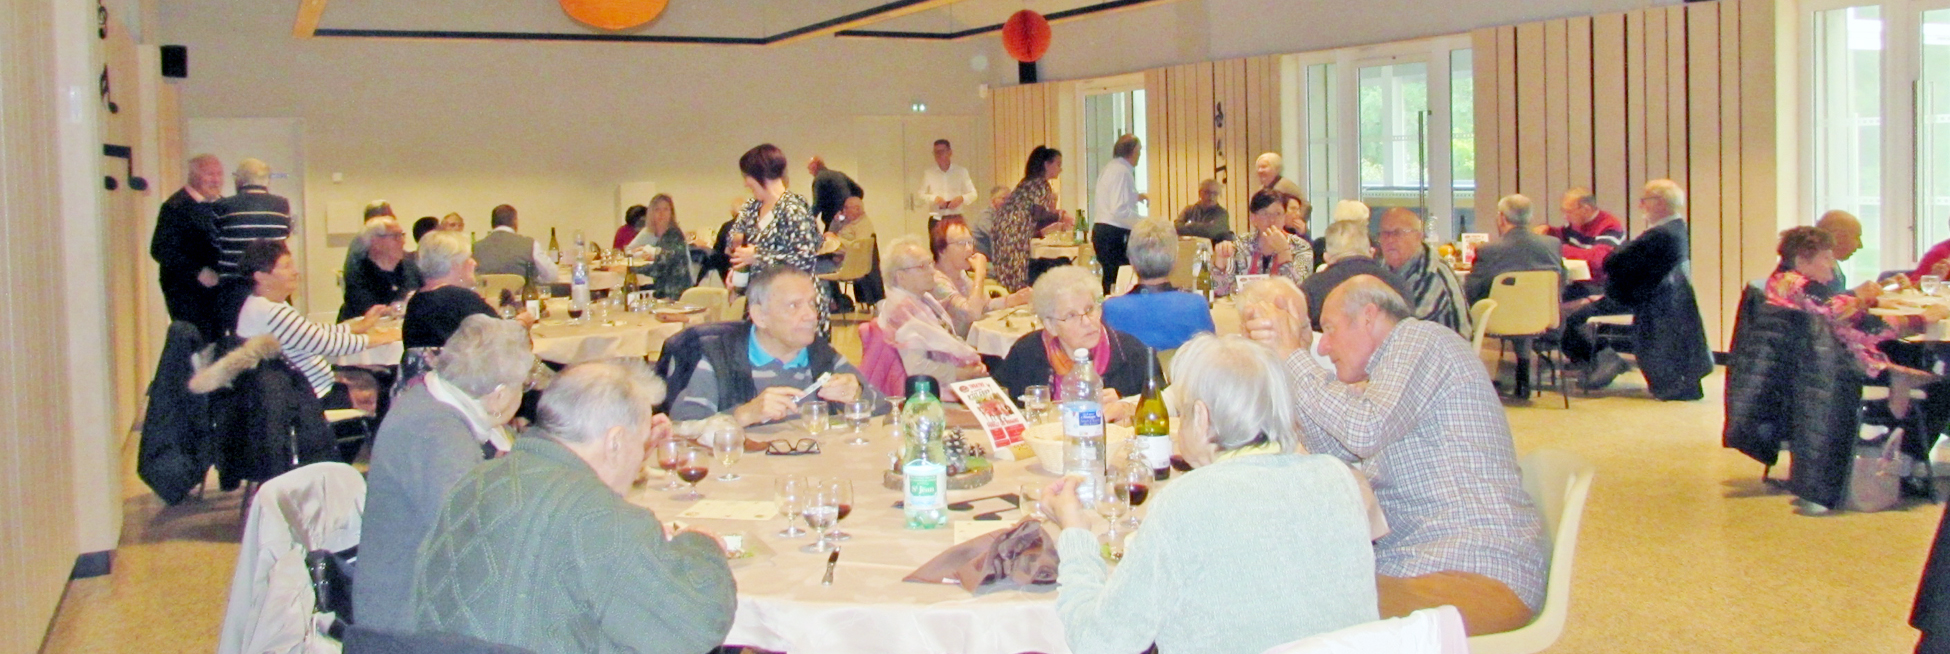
point(946, 189)
point(1116, 207)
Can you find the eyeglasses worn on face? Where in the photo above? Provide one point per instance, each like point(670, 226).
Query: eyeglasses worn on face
point(1086, 313)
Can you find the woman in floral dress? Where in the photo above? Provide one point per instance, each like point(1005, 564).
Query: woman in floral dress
point(776, 227)
point(1029, 208)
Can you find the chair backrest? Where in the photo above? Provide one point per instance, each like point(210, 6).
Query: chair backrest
point(1479, 315)
point(994, 290)
point(712, 299)
point(736, 310)
point(1558, 482)
point(490, 285)
point(1181, 270)
point(1526, 303)
point(858, 261)
point(319, 506)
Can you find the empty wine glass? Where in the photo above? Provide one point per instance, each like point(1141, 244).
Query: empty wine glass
point(842, 490)
point(692, 466)
point(822, 510)
point(1930, 284)
point(1035, 403)
point(1113, 506)
point(789, 492)
point(858, 414)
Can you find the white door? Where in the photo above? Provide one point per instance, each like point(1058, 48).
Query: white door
point(280, 143)
point(897, 150)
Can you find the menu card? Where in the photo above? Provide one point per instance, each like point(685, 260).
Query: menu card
point(999, 417)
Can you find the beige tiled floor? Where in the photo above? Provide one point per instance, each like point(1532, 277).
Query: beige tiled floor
point(1683, 550)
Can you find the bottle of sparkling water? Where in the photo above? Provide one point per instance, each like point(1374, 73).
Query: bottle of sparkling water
point(924, 463)
point(1083, 426)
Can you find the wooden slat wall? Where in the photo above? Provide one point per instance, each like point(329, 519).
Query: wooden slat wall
point(1684, 92)
point(1032, 121)
point(37, 502)
point(1187, 144)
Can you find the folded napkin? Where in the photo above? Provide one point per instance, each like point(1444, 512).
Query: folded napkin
point(1022, 557)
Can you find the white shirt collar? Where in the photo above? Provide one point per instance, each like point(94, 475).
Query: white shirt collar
point(470, 409)
point(503, 228)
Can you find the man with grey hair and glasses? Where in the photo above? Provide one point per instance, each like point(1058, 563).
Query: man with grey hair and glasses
point(540, 550)
point(759, 374)
point(1408, 404)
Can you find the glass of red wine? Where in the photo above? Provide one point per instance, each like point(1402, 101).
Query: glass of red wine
point(670, 452)
point(842, 490)
point(692, 466)
point(1131, 483)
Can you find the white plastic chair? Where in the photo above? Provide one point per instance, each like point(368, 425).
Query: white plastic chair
point(491, 286)
point(1437, 631)
point(712, 299)
point(316, 507)
point(1527, 308)
point(1479, 315)
point(1558, 482)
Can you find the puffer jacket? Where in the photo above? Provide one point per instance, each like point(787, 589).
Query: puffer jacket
point(1789, 379)
point(264, 413)
point(177, 446)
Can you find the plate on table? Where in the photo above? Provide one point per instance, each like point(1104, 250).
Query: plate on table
point(677, 309)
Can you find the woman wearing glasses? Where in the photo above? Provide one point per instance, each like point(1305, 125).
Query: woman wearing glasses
point(912, 333)
point(1069, 301)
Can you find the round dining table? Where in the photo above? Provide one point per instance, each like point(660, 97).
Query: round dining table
point(784, 607)
point(998, 331)
point(605, 335)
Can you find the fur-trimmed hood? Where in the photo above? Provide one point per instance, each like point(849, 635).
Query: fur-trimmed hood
point(211, 376)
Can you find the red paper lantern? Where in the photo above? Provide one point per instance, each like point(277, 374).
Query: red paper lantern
point(614, 14)
point(1026, 36)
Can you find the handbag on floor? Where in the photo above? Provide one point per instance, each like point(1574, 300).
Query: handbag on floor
point(1876, 470)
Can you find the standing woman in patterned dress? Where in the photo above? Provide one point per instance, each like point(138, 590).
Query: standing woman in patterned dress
point(1029, 208)
point(775, 228)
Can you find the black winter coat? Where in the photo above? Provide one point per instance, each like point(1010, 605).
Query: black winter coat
point(1789, 379)
point(267, 419)
point(177, 447)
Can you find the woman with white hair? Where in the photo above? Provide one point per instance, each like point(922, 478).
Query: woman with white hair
point(1069, 301)
point(1260, 544)
point(912, 333)
point(1265, 249)
point(383, 274)
point(435, 433)
point(1155, 312)
point(447, 295)
point(1348, 254)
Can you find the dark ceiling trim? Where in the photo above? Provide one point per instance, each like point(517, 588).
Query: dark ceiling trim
point(842, 20)
point(950, 36)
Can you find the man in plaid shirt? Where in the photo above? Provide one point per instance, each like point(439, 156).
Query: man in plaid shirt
point(1409, 405)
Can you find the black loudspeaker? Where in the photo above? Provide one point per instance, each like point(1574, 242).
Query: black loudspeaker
point(1026, 72)
point(175, 61)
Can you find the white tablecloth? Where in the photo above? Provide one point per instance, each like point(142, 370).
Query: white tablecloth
point(783, 607)
point(1047, 249)
point(599, 280)
point(995, 333)
point(620, 334)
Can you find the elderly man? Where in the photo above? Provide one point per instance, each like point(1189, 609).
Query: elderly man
point(436, 431)
point(1268, 168)
point(1652, 275)
point(252, 214)
point(1161, 316)
point(185, 246)
point(758, 374)
point(382, 275)
point(1590, 237)
point(1847, 231)
point(830, 190)
point(1517, 249)
point(505, 251)
point(849, 229)
point(1347, 255)
point(1408, 404)
point(1116, 203)
point(539, 549)
point(1206, 218)
point(1434, 293)
point(946, 189)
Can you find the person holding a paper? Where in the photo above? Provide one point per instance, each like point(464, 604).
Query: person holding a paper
point(1253, 525)
point(759, 373)
point(912, 333)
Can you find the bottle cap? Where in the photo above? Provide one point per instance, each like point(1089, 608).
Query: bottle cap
point(1080, 354)
point(916, 383)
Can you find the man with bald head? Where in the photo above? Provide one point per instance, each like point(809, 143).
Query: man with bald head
point(184, 246)
point(1847, 231)
point(1268, 168)
point(1408, 405)
point(1435, 294)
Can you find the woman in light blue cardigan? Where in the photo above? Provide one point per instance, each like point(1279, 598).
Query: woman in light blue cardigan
point(1259, 545)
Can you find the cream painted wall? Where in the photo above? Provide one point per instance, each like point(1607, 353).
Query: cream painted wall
point(553, 128)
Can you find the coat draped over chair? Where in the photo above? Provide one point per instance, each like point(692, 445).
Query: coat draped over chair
point(1790, 380)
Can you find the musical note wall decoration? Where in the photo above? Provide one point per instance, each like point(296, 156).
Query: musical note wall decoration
point(1219, 170)
point(108, 97)
point(101, 19)
point(127, 155)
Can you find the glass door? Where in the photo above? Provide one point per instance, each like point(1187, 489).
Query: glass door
point(1108, 115)
point(1847, 112)
point(1394, 136)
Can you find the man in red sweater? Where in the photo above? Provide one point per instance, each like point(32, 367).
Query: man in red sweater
point(1591, 237)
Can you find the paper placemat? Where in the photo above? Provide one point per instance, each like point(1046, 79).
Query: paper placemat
point(966, 529)
point(731, 510)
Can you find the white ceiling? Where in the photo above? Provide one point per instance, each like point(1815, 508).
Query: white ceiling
point(708, 18)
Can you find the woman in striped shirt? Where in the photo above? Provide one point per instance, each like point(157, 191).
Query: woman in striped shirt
point(306, 344)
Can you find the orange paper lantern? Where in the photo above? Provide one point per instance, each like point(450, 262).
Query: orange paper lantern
point(1026, 36)
point(614, 14)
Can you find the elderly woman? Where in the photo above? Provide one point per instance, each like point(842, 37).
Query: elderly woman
point(1029, 209)
point(1161, 316)
point(1804, 282)
point(1068, 299)
point(384, 275)
point(305, 344)
point(447, 296)
point(1265, 249)
point(436, 432)
point(1347, 255)
point(912, 333)
point(661, 241)
point(958, 274)
point(1256, 524)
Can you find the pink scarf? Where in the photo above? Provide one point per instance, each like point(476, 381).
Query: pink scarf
point(1059, 358)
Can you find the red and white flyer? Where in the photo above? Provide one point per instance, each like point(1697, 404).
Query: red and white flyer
point(999, 417)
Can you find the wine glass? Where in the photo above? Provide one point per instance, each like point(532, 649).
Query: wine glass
point(842, 490)
point(822, 510)
point(1930, 284)
point(790, 492)
point(1132, 485)
point(813, 416)
point(1113, 505)
point(692, 465)
point(858, 414)
point(1029, 499)
point(1035, 403)
point(729, 446)
point(670, 452)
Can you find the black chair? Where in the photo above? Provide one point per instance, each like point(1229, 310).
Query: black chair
point(682, 352)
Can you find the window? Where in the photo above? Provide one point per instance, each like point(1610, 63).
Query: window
point(1107, 115)
point(1847, 147)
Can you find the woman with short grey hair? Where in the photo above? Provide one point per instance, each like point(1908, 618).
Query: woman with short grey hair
point(447, 296)
point(1254, 524)
point(437, 431)
point(912, 333)
point(1349, 253)
point(1068, 301)
point(1161, 316)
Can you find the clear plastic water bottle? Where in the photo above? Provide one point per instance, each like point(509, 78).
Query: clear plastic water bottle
point(1083, 426)
point(924, 463)
point(579, 281)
